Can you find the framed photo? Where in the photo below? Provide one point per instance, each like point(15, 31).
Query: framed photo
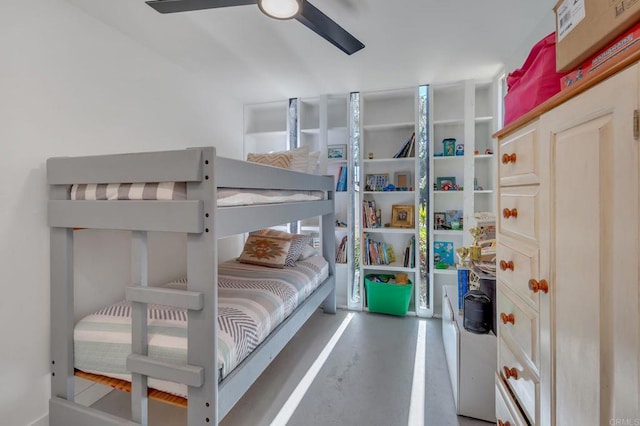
point(375, 182)
point(402, 216)
point(445, 182)
point(337, 152)
point(439, 220)
point(403, 181)
point(453, 219)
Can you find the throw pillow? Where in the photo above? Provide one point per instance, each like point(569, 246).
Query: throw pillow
point(277, 159)
point(298, 242)
point(313, 162)
point(300, 159)
point(265, 250)
point(307, 252)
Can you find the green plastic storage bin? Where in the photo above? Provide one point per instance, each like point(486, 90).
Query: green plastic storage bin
point(387, 298)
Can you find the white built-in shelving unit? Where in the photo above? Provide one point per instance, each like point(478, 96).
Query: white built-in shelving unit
point(464, 111)
point(387, 119)
point(319, 123)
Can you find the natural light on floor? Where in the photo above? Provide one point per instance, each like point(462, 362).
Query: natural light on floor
point(416, 409)
point(298, 393)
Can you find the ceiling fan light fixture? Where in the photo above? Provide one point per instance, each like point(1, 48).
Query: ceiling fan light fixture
point(280, 9)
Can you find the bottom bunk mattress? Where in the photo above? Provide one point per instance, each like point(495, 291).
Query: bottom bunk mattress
point(252, 302)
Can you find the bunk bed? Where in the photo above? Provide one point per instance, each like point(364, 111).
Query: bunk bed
point(202, 214)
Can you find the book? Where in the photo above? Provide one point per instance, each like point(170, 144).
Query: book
point(341, 252)
point(399, 152)
point(376, 252)
point(443, 253)
point(341, 186)
point(406, 148)
point(463, 286)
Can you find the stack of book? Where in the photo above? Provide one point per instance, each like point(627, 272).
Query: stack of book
point(409, 254)
point(341, 252)
point(341, 179)
point(371, 217)
point(408, 149)
point(377, 253)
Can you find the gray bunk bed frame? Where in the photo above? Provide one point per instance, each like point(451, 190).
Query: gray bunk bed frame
point(209, 399)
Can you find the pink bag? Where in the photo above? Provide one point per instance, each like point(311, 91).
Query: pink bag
point(533, 83)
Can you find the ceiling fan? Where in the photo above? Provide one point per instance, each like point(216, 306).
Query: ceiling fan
point(301, 10)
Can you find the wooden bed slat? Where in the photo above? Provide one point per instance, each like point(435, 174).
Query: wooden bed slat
point(125, 386)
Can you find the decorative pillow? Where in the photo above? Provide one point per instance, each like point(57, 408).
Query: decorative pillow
point(298, 242)
point(300, 160)
point(307, 252)
point(265, 250)
point(313, 162)
point(277, 159)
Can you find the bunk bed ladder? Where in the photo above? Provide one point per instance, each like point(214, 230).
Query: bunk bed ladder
point(200, 301)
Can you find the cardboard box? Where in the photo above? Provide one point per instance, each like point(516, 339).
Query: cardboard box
point(583, 27)
point(621, 47)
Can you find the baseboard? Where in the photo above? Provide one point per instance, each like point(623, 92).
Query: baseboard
point(42, 421)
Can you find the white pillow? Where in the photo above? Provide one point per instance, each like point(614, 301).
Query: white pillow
point(313, 162)
point(307, 252)
point(300, 159)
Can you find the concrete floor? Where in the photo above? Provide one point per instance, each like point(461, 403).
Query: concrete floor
point(366, 380)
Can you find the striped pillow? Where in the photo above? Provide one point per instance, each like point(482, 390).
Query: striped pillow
point(130, 191)
point(298, 243)
point(277, 159)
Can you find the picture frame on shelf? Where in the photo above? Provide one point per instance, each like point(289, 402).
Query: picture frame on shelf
point(376, 181)
point(402, 181)
point(454, 219)
point(402, 216)
point(337, 152)
point(445, 183)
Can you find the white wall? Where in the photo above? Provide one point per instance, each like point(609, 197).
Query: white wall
point(70, 85)
point(546, 26)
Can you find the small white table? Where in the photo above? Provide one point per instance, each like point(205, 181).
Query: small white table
point(472, 361)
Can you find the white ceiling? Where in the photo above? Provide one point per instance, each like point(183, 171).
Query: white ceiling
point(408, 42)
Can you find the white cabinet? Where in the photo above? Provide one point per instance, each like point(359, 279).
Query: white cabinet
point(569, 287)
point(463, 119)
point(471, 359)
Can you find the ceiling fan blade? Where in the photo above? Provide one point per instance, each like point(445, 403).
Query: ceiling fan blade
point(324, 26)
point(172, 6)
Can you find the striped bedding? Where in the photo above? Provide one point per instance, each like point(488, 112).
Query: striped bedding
point(252, 301)
point(178, 191)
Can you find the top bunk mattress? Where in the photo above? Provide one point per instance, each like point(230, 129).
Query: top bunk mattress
point(178, 191)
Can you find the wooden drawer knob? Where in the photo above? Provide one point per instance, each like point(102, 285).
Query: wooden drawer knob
point(507, 213)
point(501, 423)
point(536, 286)
point(508, 158)
point(504, 265)
point(507, 318)
point(510, 373)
